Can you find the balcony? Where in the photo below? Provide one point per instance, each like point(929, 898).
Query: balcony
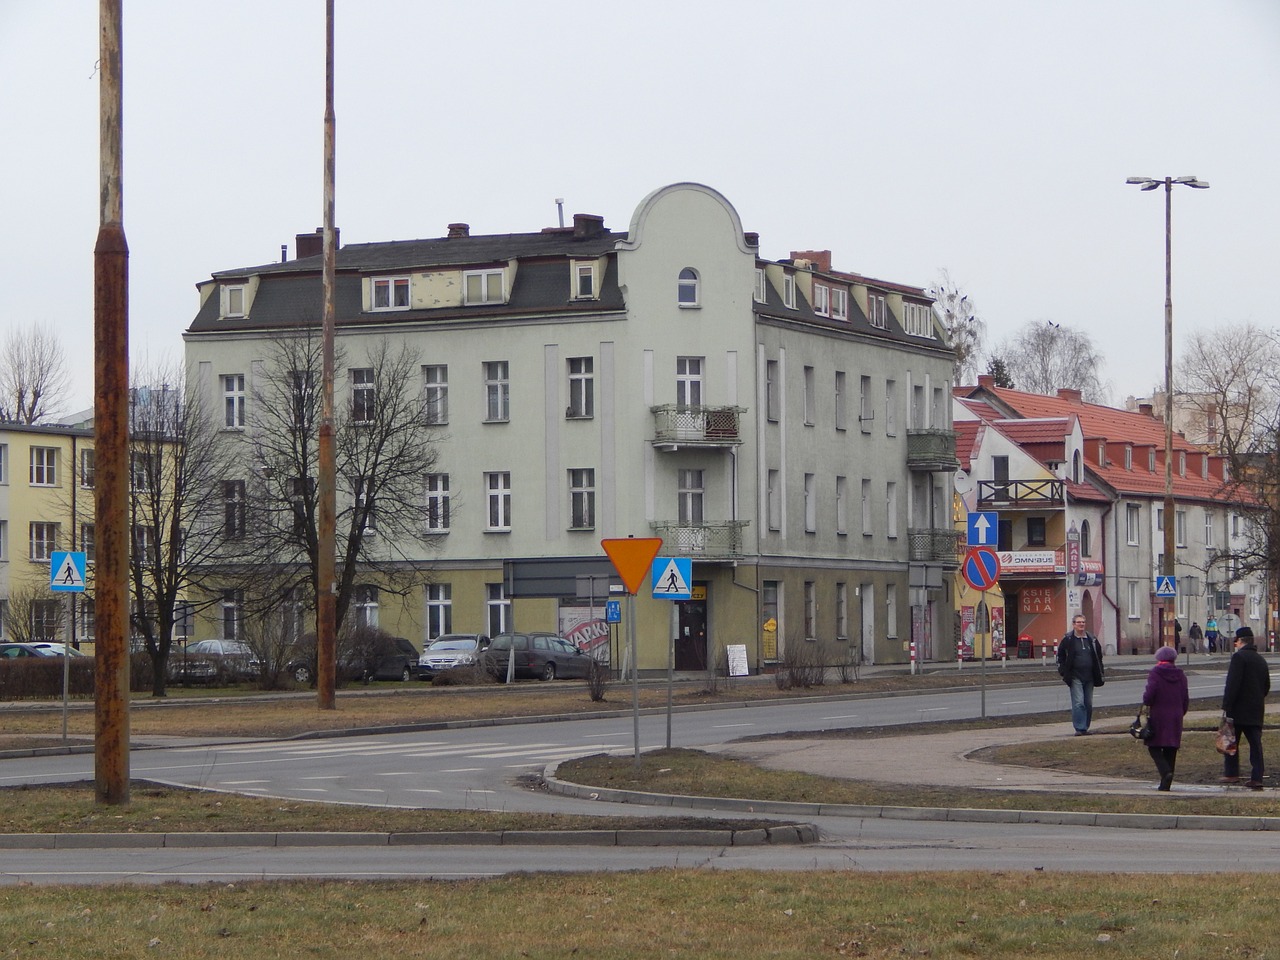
point(1014, 494)
point(676, 426)
point(711, 541)
point(928, 545)
point(930, 450)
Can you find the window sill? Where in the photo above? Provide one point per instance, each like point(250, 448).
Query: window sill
point(497, 530)
point(579, 529)
point(503, 420)
point(689, 306)
point(579, 416)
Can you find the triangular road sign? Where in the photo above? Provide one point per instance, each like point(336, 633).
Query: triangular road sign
point(632, 557)
point(670, 582)
point(66, 571)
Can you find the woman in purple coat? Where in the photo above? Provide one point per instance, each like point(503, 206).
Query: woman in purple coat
point(1167, 701)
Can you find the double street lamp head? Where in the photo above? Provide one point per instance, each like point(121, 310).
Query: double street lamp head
point(1147, 183)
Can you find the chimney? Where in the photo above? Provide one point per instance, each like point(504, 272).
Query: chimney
point(1066, 393)
point(587, 225)
point(986, 381)
point(820, 259)
point(309, 244)
point(458, 230)
point(752, 239)
point(1147, 410)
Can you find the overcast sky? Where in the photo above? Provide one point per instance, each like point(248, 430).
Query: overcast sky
point(991, 138)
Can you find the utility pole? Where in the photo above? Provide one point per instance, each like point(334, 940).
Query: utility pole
point(111, 427)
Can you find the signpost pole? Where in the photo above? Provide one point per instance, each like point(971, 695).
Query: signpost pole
point(66, 666)
point(671, 664)
point(983, 684)
point(635, 676)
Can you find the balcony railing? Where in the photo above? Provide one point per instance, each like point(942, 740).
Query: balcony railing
point(1021, 493)
point(675, 426)
point(929, 545)
point(711, 540)
point(930, 449)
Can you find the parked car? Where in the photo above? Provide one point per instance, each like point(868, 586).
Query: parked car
point(542, 655)
point(451, 650)
point(366, 655)
point(59, 649)
point(12, 651)
point(213, 661)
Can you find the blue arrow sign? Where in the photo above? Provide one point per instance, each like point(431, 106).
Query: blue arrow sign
point(984, 528)
point(1166, 586)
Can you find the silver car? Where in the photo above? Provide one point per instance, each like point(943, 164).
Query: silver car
point(451, 650)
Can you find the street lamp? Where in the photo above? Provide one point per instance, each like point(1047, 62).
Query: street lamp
point(1147, 183)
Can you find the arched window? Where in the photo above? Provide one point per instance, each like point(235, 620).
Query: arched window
point(687, 288)
point(1075, 467)
point(1086, 543)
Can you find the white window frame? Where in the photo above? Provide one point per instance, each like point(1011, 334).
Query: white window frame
point(773, 500)
point(393, 291)
point(810, 610)
point(891, 509)
point(1208, 528)
point(4, 542)
point(1134, 612)
point(44, 466)
point(688, 288)
point(891, 611)
point(365, 606)
point(865, 414)
point(87, 462)
point(582, 390)
point(435, 392)
point(1133, 524)
point(42, 540)
point(866, 507)
point(689, 382)
point(4, 463)
point(439, 610)
point(497, 391)
point(438, 502)
point(789, 290)
point(839, 303)
point(822, 299)
point(760, 293)
point(842, 401)
point(234, 301)
point(584, 270)
point(232, 614)
point(582, 498)
point(364, 394)
point(497, 487)
point(233, 509)
point(497, 609)
point(484, 281)
point(891, 408)
point(88, 542)
point(362, 491)
point(1180, 528)
point(772, 391)
point(810, 397)
point(810, 503)
point(842, 506)
point(691, 497)
point(842, 610)
point(877, 310)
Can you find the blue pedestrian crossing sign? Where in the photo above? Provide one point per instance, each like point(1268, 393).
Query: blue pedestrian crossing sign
point(984, 528)
point(1166, 586)
point(672, 577)
point(66, 571)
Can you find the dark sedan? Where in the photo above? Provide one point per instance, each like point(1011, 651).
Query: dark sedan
point(542, 655)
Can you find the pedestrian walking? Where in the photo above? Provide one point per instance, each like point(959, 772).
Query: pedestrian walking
point(1196, 635)
point(1080, 666)
point(1211, 634)
point(1248, 683)
point(1167, 700)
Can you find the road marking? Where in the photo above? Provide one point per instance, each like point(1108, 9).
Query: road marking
point(843, 716)
point(1012, 702)
point(320, 778)
point(933, 709)
point(240, 783)
point(462, 770)
point(726, 726)
point(400, 773)
point(423, 790)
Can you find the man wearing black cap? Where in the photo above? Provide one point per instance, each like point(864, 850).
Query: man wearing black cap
point(1248, 683)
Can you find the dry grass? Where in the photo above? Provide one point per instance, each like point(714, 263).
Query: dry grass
point(670, 913)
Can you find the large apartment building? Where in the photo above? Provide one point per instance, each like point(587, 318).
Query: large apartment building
point(785, 425)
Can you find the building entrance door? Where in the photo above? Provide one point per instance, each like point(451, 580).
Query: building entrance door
point(691, 632)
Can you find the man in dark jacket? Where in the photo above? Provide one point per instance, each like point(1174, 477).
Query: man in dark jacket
point(1248, 683)
point(1080, 666)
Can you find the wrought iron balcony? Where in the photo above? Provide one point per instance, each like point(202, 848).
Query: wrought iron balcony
point(710, 540)
point(676, 426)
point(1034, 494)
point(929, 545)
point(930, 449)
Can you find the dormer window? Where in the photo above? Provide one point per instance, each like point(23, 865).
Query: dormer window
point(1204, 467)
point(760, 292)
point(1075, 467)
point(687, 287)
point(1182, 463)
point(839, 303)
point(822, 299)
point(1102, 453)
point(391, 293)
point(1151, 460)
point(877, 310)
point(918, 319)
point(1128, 457)
point(584, 281)
point(482, 286)
point(233, 300)
point(789, 290)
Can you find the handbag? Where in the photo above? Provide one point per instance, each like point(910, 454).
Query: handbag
point(1140, 729)
point(1225, 742)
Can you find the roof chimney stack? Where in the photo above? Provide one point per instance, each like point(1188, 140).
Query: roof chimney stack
point(587, 225)
point(819, 260)
point(1066, 393)
point(458, 230)
point(1147, 410)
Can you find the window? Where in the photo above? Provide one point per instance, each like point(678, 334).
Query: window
point(761, 291)
point(688, 382)
point(689, 493)
point(1132, 524)
point(364, 396)
point(482, 286)
point(810, 503)
point(917, 412)
point(773, 500)
point(810, 610)
point(1134, 612)
point(582, 499)
point(839, 303)
point(918, 319)
point(4, 617)
point(810, 400)
point(498, 490)
point(233, 400)
point(4, 463)
point(301, 493)
point(842, 505)
point(302, 391)
point(1180, 527)
point(86, 468)
point(865, 413)
point(391, 293)
point(366, 510)
point(366, 606)
point(891, 509)
point(891, 610)
point(435, 392)
point(1208, 528)
point(789, 290)
point(497, 609)
point(43, 540)
point(497, 391)
point(1075, 467)
point(44, 466)
point(842, 611)
point(1235, 525)
point(687, 288)
point(866, 508)
point(438, 502)
point(1036, 531)
point(1086, 539)
point(144, 544)
point(1128, 457)
point(822, 299)
point(233, 506)
point(1182, 463)
point(46, 620)
point(584, 281)
point(439, 610)
point(770, 607)
point(232, 613)
point(88, 618)
point(891, 408)
point(4, 539)
point(142, 470)
point(233, 300)
point(877, 310)
point(772, 391)
point(1160, 519)
point(842, 415)
point(582, 403)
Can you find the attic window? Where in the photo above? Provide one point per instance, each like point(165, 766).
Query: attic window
point(1102, 452)
point(1204, 467)
point(482, 286)
point(918, 319)
point(789, 290)
point(1151, 459)
point(584, 281)
point(759, 295)
point(687, 287)
point(1128, 457)
point(233, 301)
point(839, 303)
point(822, 299)
point(391, 293)
point(1182, 463)
point(877, 310)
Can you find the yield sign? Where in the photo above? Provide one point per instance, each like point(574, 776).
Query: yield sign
point(632, 557)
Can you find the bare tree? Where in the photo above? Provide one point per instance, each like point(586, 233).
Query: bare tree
point(177, 507)
point(965, 329)
point(33, 375)
point(385, 450)
point(31, 615)
point(1044, 357)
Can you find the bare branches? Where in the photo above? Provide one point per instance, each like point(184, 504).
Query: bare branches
point(33, 375)
point(965, 329)
point(1045, 357)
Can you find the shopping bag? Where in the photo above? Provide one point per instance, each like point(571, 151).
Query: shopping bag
point(1225, 741)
